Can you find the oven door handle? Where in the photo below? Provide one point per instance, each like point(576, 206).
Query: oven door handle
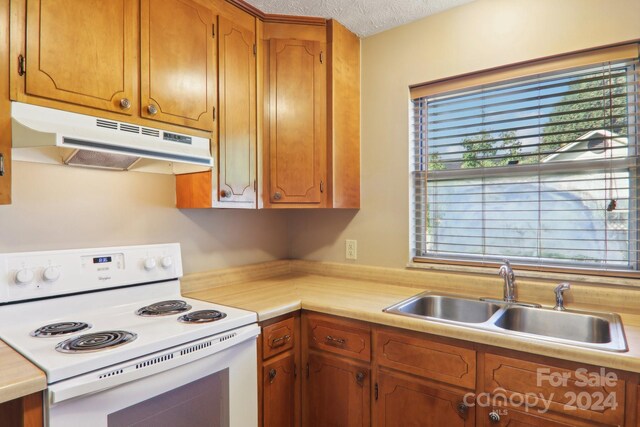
point(151, 364)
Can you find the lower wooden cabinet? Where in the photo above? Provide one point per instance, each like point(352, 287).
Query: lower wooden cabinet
point(279, 372)
point(279, 392)
point(405, 401)
point(336, 392)
point(23, 412)
point(358, 374)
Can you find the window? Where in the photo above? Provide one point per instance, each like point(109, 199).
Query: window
point(539, 168)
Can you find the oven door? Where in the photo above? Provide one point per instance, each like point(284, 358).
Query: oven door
point(217, 387)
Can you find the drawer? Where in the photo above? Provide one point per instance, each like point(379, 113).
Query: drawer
point(278, 337)
point(340, 336)
point(585, 392)
point(429, 359)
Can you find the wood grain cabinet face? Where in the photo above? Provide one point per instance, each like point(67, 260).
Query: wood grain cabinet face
point(278, 385)
point(82, 52)
point(447, 363)
point(410, 402)
point(237, 113)
point(177, 68)
point(336, 393)
point(297, 121)
point(564, 391)
point(339, 336)
point(278, 338)
point(512, 418)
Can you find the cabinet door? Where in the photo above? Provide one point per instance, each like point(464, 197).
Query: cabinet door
point(337, 393)
point(82, 52)
point(278, 385)
point(297, 121)
point(411, 402)
point(237, 113)
point(177, 69)
point(500, 417)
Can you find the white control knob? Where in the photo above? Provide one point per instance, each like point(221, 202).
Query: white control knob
point(51, 274)
point(166, 262)
point(149, 264)
point(24, 277)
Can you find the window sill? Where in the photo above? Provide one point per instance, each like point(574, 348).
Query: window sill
point(530, 274)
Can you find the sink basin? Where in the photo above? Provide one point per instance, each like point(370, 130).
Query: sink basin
point(566, 326)
point(602, 331)
point(447, 308)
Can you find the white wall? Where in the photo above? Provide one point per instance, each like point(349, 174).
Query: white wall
point(479, 35)
point(59, 207)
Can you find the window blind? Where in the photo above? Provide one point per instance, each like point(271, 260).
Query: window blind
point(541, 170)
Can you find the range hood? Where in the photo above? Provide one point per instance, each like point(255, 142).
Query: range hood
point(45, 135)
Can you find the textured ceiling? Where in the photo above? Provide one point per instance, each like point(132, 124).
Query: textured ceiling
point(363, 17)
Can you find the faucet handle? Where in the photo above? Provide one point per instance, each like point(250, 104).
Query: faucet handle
point(559, 291)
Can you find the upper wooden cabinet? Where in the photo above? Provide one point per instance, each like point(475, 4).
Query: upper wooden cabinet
point(82, 52)
point(237, 114)
point(297, 121)
point(177, 70)
point(152, 60)
point(5, 108)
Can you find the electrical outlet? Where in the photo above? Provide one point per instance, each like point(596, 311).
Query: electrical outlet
point(351, 249)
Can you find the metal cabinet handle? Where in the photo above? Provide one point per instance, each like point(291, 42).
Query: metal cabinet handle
point(494, 417)
point(279, 342)
point(152, 109)
point(335, 341)
point(125, 104)
point(1, 164)
point(360, 377)
point(277, 195)
point(272, 375)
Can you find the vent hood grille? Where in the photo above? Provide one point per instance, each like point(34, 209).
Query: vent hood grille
point(52, 136)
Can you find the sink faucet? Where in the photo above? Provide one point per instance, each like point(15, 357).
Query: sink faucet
point(509, 281)
point(559, 290)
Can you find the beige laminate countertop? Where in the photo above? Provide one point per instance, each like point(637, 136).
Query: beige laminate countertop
point(364, 300)
point(18, 376)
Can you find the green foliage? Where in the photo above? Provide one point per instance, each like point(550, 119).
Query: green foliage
point(573, 121)
point(489, 150)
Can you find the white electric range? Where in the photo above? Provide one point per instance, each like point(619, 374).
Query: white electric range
point(120, 346)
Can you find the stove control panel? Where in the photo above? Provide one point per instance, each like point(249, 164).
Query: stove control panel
point(30, 275)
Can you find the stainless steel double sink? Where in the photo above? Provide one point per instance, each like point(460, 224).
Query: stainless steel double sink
point(601, 331)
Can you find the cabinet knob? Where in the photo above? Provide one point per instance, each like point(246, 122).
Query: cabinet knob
point(494, 417)
point(277, 195)
point(152, 109)
point(225, 194)
point(125, 104)
point(272, 375)
point(462, 408)
point(360, 377)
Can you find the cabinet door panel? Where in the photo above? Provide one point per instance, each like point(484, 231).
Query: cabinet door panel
point(82, 52)
point(403, 402)
point(297, 96)
point(511, 418)
point(337, 393)
point(278, 385)
point(177, 69)
point(237, 112)
point(586, 395)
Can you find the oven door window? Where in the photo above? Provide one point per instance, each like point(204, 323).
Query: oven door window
point(204, 402)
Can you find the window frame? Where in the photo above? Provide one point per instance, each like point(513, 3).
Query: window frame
point(558, 63)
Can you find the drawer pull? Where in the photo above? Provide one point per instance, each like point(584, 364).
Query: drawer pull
point(338, 342)
point(360, 378)
point(272, 375)
point(279, 342)
point(494, 417)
